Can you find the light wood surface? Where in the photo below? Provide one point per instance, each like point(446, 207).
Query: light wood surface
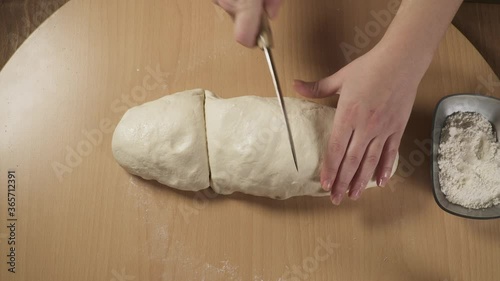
point(87, 64)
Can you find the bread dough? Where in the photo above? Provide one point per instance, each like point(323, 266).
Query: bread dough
point(249, 150)
point(245, 140)
point(165, 140)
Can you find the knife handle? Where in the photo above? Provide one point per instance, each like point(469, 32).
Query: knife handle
point(265, 39)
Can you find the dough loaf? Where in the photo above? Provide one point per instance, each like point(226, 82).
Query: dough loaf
point(192, 140)
point(165, 140)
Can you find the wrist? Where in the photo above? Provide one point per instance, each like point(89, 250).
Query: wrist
point(404, 41)
point(409, 58)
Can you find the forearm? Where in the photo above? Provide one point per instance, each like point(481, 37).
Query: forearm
point(416, 31)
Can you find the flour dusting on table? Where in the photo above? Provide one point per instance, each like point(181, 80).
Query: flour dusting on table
point(469, 161)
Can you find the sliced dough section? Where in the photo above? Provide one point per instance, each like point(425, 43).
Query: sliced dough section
point(249, 150)
point(165, 140)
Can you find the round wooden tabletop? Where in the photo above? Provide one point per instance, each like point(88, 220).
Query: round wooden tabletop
point(79, 216)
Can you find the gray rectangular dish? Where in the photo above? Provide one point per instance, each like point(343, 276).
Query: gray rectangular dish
point(489, 107)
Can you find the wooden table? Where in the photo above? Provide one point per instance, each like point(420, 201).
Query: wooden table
point(82, 217)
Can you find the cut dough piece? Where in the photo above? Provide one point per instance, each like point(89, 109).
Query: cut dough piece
point(165, 140)
point(244, 140)
point(249, 150)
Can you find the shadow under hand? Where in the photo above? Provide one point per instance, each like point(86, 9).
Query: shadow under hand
point(415, 151)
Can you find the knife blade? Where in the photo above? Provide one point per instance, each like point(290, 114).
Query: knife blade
point(265, 42)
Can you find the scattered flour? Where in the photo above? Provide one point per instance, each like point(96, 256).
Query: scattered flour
point(469, 161)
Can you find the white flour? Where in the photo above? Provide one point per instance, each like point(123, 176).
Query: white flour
point(469, 161)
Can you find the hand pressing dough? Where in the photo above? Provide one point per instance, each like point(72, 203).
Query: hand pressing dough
point(165, 140)
point(244, 138)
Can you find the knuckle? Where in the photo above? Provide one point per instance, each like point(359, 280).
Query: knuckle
point(332, 172)
point(371, 160)
point(346, 115)
point(315, 89)
point(392, 152)
point(352, 160)
point(374, 124)
point(376, 121)
point(335, 146)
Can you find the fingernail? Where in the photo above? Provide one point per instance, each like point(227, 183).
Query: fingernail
point(337, 198)
point(327, 185)
point(356, 194)
point(383, 180)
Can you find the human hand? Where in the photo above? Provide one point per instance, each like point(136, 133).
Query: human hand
point(377, 92)
point(247, 16)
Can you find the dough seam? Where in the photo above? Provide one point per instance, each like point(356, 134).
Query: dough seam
point(206, 137)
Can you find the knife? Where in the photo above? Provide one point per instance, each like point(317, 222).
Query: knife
point(265, 42)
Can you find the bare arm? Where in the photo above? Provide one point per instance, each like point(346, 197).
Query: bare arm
point(418, 28)
point(377, 92)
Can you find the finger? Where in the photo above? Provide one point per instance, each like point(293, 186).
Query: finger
point(272, 8)
point(367, 168)
point(336, 148)
point(323, 88)
point(349, 166)
point(389, 153)
point(227, 5)
point(247, 22)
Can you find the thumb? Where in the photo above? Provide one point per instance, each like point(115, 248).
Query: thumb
point(320, 89)
point(272, 7)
